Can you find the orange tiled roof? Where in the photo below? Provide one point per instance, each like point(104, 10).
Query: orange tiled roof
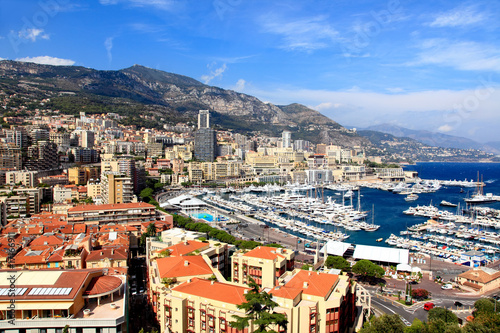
point(51, 240)
point(30, 255)
point(182, 248)
point(218, 291)
point(176, 266)
point(318, 284)
point(84, 208)
point(110, 253)
point(285, 292)
point(263, 252)
point(478, 275)
point(102, 284)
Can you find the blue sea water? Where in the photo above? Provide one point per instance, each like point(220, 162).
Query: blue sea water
point(389, 207)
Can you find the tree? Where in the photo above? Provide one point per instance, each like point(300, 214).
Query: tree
point(151, 230)
point(367, 269)
point(258, 311)
point(147, 192)
point(338, 262)
point(384, 324)
point(419, 294)
point(443, 314)
point(416, 327)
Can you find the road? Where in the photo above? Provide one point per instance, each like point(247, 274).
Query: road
point(409, 313)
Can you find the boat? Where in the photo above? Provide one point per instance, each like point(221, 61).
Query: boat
point(447, 204)
point(380, 239)
point(411, 197)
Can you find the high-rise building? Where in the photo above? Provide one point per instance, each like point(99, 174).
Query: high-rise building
point(116, 188)
point(286, 138)
point(87, 139)
point(203, 119)
point(10, 156)
point(205, 145)
point(42, 156)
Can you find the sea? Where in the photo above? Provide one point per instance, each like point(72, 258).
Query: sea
point(386, 208)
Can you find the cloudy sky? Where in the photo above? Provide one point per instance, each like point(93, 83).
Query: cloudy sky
point(431, 65)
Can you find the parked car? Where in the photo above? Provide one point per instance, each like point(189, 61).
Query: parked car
point(428, 306)
point(447, 286)
point(457, 303)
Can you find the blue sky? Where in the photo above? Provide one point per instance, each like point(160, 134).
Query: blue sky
point(431, 65)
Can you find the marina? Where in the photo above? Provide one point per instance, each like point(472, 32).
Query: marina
point(322, 214)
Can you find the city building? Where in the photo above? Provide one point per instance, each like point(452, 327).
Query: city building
point(42, 156)
point(128, 213)
point(81, 175)
point(286, 139)
point(87, 139)
point(264, 264)
point(47, 301)
point(480, 279)
point(23, 177)
point(205, 145)
point(116, 187)
point(203, 119)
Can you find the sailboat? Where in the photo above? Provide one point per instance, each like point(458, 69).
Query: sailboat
point(373, 226)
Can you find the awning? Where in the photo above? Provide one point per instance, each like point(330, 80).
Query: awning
point(37, 305)
point(403, 268)
point(416, 269)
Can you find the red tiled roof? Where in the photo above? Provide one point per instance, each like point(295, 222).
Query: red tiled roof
point(85, 208)
point(182, 248)
point(285, 292)
point(478, 275)
point(218, 291)
point(318, 284)
point(110, 253)
point(102, 284)
point(48, 240)
point(263, 252)
point(176, 266)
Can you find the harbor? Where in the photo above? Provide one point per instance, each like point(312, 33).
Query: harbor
point(377, 214)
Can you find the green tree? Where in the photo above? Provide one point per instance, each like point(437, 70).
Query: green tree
point(366, 268)
point(151, 230)
point(147, 192)
point(416, 327)
point(441, 313)
point(338, 262)
point(258, 311)
point(384, 324)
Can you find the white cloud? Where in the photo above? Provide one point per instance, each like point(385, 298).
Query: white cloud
point(33, 34)
point(108, 44)
point(46, 60)
point(307, 34)
point(158, 4)
point(213, 73)
point(454, 111)
point(462, 55)
point(395, 90)
point(445, 128)
point(457, 17)
point(240, 85)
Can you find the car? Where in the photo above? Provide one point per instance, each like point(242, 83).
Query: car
point(428, 306)
point(457, 303)
point(447, 286)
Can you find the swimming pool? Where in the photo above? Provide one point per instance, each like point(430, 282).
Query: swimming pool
point(205, 216)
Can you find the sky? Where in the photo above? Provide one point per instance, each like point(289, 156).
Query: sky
point(431, 65)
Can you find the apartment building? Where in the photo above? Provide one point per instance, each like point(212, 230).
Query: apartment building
point(264, 264)
point(116, 187)
point(24, 177)
point(81, 175)
point(129, 213)
point(47, 301)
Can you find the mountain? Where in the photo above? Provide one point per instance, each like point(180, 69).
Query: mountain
point(139, 90)
point(150, 98)
point(433, 139)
